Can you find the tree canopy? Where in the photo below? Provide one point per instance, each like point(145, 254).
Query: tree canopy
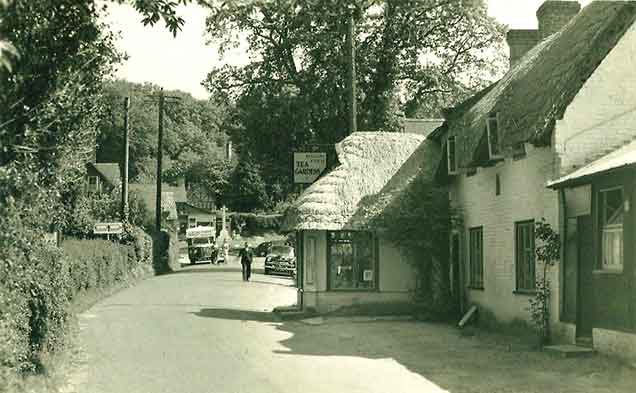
point(194, 137)
point(413, 58)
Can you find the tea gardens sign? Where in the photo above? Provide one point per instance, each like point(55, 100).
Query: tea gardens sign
point(308, 166)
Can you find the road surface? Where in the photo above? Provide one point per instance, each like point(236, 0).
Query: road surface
point(205, 330)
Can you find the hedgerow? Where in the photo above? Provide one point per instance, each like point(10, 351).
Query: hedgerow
point(39, 281)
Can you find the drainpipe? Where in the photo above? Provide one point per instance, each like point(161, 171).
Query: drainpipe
point(563, 231)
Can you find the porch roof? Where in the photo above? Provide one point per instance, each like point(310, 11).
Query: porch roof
point(620, 158)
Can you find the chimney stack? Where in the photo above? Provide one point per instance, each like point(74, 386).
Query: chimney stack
point(553, 15)
point(520, 42)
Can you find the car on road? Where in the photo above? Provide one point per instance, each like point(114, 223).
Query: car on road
point(281, 259)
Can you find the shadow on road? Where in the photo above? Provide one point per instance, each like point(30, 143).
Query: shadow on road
point(237, 315)
point(441, 355)
point(214, 269)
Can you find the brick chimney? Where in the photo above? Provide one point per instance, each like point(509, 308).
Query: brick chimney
point(553, 15)
point(520, 42)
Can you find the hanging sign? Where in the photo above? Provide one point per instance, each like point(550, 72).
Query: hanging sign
point(308, 166)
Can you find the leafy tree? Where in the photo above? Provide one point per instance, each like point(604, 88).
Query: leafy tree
point(194, 139)
point(413, 57)
point(248, 190)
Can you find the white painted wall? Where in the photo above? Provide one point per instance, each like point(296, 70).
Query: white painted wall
point(602, 116)
point(523, 197)
point(397, 278)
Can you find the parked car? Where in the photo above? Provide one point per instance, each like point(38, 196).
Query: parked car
point(263, 249)
point(281, 259)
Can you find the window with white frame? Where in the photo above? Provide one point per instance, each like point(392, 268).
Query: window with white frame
point(610, 202)
point(492, 131)
point(451, 155)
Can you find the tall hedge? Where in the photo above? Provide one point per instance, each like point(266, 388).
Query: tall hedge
point(39, 281)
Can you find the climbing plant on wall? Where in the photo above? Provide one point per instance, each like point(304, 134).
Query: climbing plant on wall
point(548, 253)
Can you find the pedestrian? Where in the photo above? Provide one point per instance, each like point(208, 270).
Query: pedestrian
point(246, 256)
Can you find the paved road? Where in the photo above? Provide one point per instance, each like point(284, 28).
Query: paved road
point(205, 330)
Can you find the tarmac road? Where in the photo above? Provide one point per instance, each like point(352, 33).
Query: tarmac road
point(205, 330)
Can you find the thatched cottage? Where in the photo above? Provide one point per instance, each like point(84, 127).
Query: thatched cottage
point(343, 257)
point(568, 100)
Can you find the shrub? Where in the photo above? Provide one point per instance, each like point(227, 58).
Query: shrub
point(252, 222)
point(38, 281)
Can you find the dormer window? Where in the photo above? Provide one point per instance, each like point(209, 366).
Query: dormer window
point(451, 155)
point(492, 130)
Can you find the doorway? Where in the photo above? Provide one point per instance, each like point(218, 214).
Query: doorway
point(453, 274)
point(585, 303)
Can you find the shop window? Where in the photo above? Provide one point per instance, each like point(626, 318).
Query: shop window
point(476, 243)
point(524, 255)
point(451, 154)
point(492, 131)
point(611, 228)
point(352, 260)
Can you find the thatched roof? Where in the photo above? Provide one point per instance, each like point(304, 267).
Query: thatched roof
point(170, 195)
point(538, 89)
point(374, 167)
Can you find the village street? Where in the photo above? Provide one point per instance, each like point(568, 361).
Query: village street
point(204, 330)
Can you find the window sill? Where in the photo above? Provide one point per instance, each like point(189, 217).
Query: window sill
point(529, 292)
point(476, 288)
point(611, 272)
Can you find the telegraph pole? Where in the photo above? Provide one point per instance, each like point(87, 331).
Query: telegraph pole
point(159, 159)
point(124, 183)
point(351, 77)
point(162, 99)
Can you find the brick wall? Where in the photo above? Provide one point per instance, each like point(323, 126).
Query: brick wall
point(524, 196)
point(602, 117)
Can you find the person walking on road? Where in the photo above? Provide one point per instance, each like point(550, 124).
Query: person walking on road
point(246, 256)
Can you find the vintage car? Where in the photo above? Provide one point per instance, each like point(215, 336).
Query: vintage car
point(281, 259)
point(201, 245)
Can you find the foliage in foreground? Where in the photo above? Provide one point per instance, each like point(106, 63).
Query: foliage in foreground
point(418, 222)
point(548, 254)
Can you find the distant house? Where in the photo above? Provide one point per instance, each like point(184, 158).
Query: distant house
point(343, 257)
point(563, 115)
point(170, 197)
point(102, 176)
point(191, 216)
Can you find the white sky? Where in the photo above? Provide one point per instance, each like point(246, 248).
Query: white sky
point(183, 62)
